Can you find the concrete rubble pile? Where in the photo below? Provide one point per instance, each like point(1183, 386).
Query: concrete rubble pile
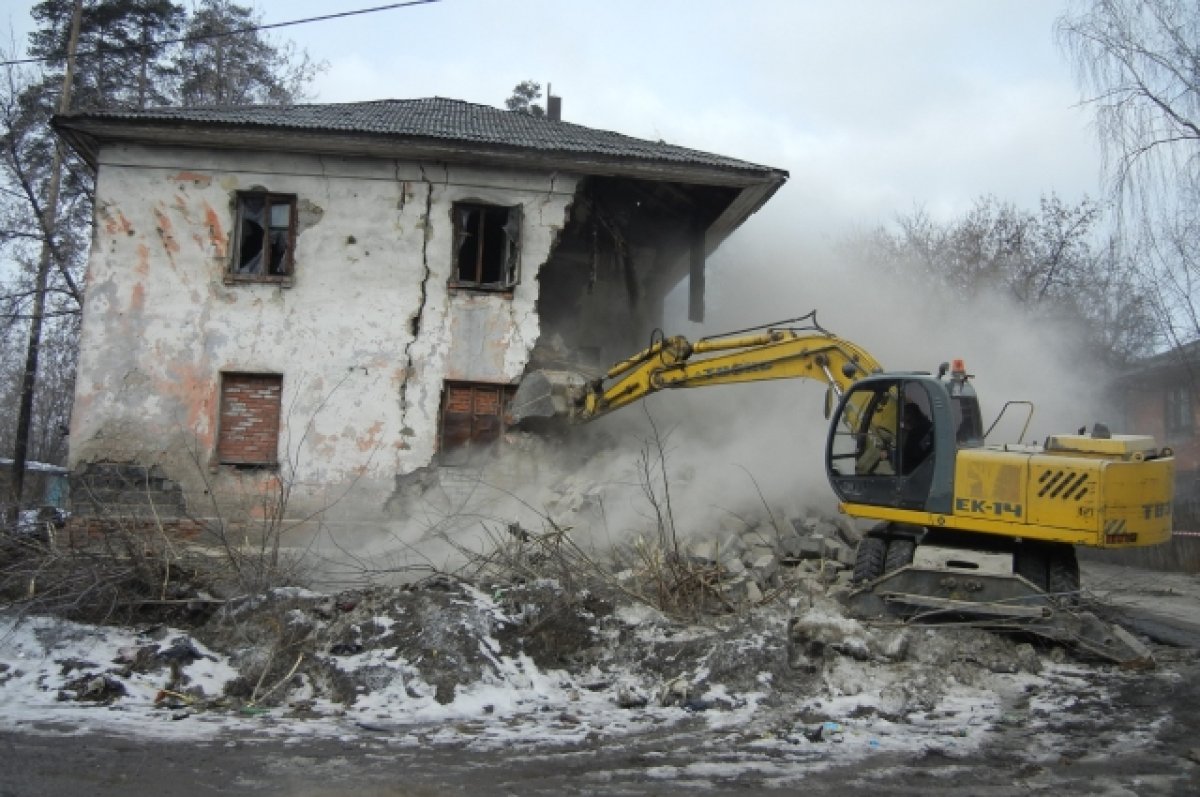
point(754, 550)
point(759, 556)
point(438, 640)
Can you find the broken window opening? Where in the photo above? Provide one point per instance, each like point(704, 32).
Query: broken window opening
point(266, 236)
point(1179, 418)
point(471, 421)
point(248, 425)
point(487, 246)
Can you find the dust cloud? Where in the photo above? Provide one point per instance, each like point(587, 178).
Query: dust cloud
point(770, 437)
point(704, 461)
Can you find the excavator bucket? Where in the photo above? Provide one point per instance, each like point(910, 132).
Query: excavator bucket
point(547, 395)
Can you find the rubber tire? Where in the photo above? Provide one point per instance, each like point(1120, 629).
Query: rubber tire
point(899, 554)
point(1062, 574)
point(869, 559)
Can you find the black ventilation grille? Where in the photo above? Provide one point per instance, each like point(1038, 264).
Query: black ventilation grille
point(1063, 484)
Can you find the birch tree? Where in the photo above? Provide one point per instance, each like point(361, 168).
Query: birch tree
point(1138, 62)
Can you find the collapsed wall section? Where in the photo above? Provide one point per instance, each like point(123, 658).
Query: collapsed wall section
point(627, 244)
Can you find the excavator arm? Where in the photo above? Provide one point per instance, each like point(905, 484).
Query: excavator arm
point(764, 353)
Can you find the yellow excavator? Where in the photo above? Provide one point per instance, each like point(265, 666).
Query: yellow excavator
point(964, 528)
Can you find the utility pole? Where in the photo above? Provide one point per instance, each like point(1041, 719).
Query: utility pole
point(49, 222)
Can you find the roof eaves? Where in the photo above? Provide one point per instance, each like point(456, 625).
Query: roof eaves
point(87, 133)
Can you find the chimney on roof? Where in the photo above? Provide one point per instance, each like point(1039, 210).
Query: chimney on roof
point(553, 106)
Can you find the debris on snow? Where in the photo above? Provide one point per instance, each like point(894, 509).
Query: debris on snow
point(495, 660)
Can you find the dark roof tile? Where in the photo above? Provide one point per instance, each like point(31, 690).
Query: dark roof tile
point(438, 118)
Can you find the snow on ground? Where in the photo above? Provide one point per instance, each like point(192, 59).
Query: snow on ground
point(47, 663)
point(856, 691)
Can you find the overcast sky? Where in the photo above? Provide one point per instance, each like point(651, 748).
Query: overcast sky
point(875, 107)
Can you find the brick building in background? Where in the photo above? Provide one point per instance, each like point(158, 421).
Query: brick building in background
point(1160, 397)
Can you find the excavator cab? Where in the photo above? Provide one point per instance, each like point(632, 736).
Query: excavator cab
point(893, 439)
point(896, 445)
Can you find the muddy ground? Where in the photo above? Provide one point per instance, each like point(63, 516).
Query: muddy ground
point(944, 712)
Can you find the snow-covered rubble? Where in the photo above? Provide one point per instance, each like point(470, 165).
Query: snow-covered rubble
point(502, 663)
point(763, 673)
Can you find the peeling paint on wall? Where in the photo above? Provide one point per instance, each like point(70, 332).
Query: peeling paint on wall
point(114, 221)
point(166, 234)
point(215, 231)
point(309, 215)
point(364, 336)
point(195, 178)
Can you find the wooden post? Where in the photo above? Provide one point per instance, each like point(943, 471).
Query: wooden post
point(696, 275)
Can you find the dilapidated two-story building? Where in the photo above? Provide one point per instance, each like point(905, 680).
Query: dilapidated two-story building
point(289, 309)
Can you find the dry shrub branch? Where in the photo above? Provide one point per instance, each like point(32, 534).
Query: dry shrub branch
point(124, 572)
point(653, 568)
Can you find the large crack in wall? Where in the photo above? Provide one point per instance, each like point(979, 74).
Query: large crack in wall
point(416, 321)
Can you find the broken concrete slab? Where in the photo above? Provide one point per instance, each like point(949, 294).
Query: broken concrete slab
point(811, 548)
point(764, 569)
point(847, 531)
point(805, 526)
point(838, 551)
point(790, 544)
point(757, 553)
point(825, 528)
point(703, 552)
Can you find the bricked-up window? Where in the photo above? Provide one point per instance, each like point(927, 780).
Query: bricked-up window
point(266, 236)
point(248, 431)
point(487, 246)
point(472, 419)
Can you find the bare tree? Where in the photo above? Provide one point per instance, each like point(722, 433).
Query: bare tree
point(129, 57)
point(1050, 262)
point(1139, 62)
point(48, 221)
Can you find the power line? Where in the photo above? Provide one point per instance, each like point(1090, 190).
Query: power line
point(223, 34)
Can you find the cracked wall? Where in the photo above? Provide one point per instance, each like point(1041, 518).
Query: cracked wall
point(364, 337)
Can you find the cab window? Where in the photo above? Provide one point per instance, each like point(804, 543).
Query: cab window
point(865, 433)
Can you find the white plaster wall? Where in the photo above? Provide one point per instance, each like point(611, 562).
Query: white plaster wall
point(372, 257)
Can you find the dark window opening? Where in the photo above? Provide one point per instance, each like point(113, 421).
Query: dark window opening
point(266, 235)
point(916, 429)
point(486, 246)
point(968, 420)
point(865, 432)
point(248, 427)
point(1179, 415)
point(472, 420)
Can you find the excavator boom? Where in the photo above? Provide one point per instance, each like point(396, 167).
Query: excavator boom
point(771, 352)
